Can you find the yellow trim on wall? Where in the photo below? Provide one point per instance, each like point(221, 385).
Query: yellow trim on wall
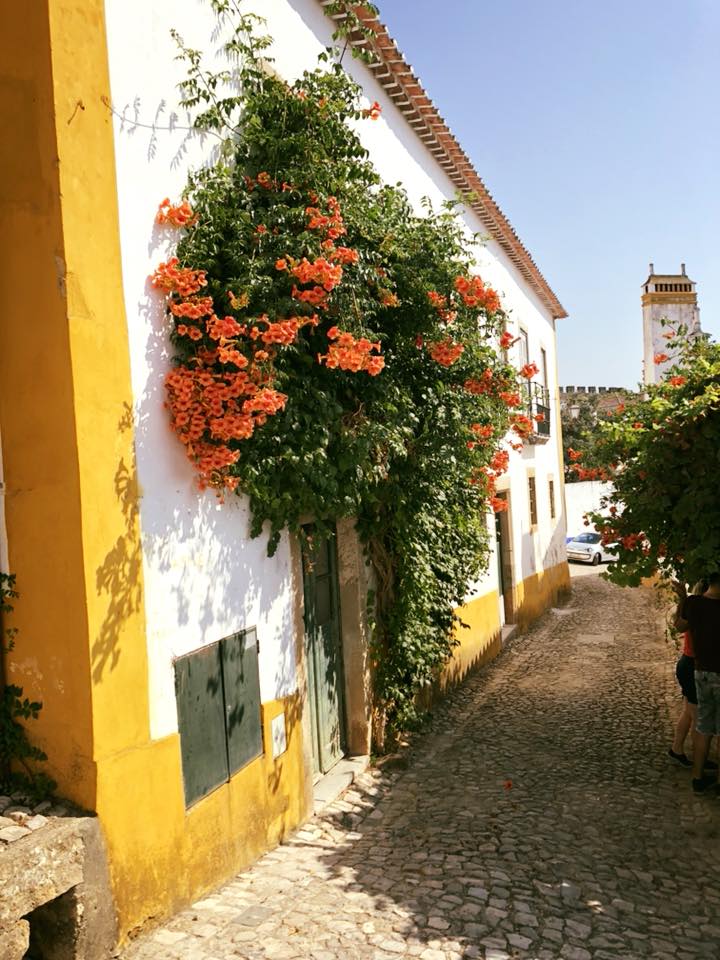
point(162, 856)
point(478, 641)
point(533, 595)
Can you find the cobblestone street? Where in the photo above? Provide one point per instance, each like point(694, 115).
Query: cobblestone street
point(540, 817)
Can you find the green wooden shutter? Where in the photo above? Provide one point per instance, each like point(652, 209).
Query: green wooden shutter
point(242, 698)
point(201, 721)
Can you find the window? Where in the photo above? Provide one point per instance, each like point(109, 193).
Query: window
point(551, 493)
point(533, 502)
point(218, 701)
point(544, 368)
point(524, 347)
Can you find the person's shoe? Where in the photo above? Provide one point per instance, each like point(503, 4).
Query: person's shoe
point(710, 765)
point(701, 784)
point(679, 758)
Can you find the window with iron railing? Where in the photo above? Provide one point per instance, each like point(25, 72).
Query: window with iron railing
point(537, 404)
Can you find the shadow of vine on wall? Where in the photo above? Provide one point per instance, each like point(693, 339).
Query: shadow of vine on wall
point(119, 575)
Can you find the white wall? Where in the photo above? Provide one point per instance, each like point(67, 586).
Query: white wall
point(580, 498)
point(658, 319)
point(203, 577)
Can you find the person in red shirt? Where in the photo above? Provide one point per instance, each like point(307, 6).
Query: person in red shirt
point(701, 616)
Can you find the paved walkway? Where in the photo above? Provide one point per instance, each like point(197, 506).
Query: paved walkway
point(540, 818)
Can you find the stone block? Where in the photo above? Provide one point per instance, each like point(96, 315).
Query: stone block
point(57, 878)
point(43, 866)
point(14, 940)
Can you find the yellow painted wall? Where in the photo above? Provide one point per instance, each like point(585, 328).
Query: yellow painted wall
point(71, 504)
point(533, 595)
point(163, 856)
point(481, 642)
point(478, 643)
point(37, 409)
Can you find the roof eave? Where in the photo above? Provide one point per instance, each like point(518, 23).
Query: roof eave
point(407, 93)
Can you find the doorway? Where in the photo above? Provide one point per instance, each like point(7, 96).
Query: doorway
point(323, 650)
point(503, 559)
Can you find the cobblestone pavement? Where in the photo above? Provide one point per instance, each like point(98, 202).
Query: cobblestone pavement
point(539, 818)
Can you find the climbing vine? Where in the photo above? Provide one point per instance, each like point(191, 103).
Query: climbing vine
point(17, 753)
point(336, 354)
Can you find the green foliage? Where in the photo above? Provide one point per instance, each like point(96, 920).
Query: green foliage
point(395, 451)
point(577, 432)
point(15, 747)
point(664, 450)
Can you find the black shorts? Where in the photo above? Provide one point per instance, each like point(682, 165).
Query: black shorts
point(685, 673)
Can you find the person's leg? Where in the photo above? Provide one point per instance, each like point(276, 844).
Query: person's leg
point(706, 715)
point(701, 745)
point(683, 727)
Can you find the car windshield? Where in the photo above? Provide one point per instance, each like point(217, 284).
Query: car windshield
point(587, 538)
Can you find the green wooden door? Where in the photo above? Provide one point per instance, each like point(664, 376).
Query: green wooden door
point(323, 650)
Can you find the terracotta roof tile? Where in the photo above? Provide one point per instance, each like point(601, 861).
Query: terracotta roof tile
point(396, 77)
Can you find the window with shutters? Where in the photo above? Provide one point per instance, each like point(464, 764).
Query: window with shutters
point(219, 717)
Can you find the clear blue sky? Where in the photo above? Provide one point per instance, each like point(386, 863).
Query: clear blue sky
point(595, 124)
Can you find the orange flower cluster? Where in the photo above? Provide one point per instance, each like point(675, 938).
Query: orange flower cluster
point(660, 357)
point(347, 353)
point(266, 401)
point(204, 404)
point(284, 332)
point(499, 505)
point(482, 431)
point(474, 293)
point(440, 303)
point(522, 425)
point(228, 354)
point(592, 473)
point(631, 541)
point(195, 333)
point(575, 454)
point(500, 461)
point(528, 370)
point(342, 254)
point(193, 308)
point(509, 398)
point(446, 352)
point(389, 299)
point(181, 280)
point(677, 381)
point(331, 223)
point(225, 328)
point(322, 273)
point(175, 214)
point(373, 111)
point(483, 385)
point(507, 340)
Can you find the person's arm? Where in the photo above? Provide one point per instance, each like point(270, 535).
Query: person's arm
point(680, 623)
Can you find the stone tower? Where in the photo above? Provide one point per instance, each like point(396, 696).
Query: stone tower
point(669, 302)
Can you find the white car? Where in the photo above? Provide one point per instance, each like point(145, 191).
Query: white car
point(587, 548)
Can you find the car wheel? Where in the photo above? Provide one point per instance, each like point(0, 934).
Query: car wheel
point(596, 559)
